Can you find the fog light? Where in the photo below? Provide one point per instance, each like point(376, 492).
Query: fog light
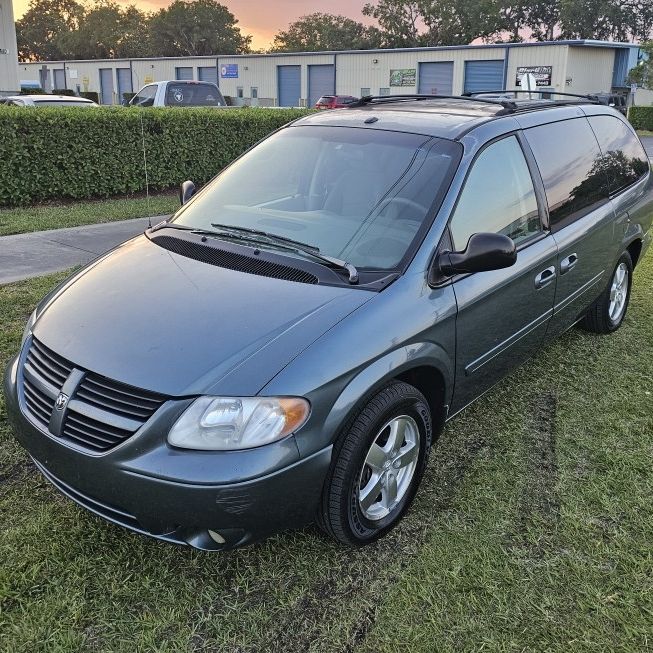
point(216, 537)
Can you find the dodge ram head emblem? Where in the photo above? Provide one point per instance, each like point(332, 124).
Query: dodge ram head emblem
point(61, 402)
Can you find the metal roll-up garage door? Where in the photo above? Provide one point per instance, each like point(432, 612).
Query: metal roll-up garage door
point(184, 72)
point(483, 75)
point(321, 81)
point(436, 78)
point(289, 83)
point(208, 74)
point(124, 82)
point(106, 85)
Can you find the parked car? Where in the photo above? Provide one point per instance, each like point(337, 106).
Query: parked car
point(335, 101)
point(46, 101)
point(178, 94)
point(614, 100)
point(324, 305)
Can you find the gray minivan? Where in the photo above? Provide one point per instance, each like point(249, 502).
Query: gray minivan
point(287, 347)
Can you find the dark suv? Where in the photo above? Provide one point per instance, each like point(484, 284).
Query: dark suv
point(287, 347)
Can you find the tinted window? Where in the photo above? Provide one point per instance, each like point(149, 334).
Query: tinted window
point(569, 160)
point(195, 94)
point(624, 158)
point(498, 196)
point(358, 194)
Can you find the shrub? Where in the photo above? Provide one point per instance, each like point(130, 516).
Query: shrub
point(32, 91)
point(641, 117)
point(75, 153)
point(63, 91)
point(90, 95)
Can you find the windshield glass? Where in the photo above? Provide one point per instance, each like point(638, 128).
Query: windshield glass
point(361, 195)
point(194, 94)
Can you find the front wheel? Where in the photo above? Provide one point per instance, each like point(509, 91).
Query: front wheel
point(609, 310)
point(377, 467)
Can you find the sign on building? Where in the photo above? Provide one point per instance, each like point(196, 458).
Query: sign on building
point(403, 77)
point(229, 71)
point(542, 74)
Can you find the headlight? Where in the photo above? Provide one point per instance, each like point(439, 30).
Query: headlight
point(228, 423)
point(28, 327)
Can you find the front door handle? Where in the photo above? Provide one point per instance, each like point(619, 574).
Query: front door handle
point(568, 262)
point(545, 277)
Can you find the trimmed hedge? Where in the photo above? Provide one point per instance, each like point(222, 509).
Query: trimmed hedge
point(641, 117)
point(91, 95)
point(78, 153)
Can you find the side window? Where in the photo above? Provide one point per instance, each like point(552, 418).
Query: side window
point(498, 197)
point(145, 97)
point(624, 159)
point(569, 160)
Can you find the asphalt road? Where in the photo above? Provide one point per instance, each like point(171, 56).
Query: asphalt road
point(44, 252)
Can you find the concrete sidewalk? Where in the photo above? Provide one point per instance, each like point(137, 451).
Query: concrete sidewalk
point(647, 142)
point(43, 252)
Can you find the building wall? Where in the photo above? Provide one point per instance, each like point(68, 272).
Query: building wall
point(550, 55)
point(575, 69)
point(9, 82)
point(589, 70)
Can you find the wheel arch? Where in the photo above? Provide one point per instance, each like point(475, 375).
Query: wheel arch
point(425, 366)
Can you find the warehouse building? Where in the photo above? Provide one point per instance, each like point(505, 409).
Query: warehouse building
point(299, 79)
point(8, 51)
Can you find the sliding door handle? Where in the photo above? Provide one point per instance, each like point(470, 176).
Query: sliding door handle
point(568, 262)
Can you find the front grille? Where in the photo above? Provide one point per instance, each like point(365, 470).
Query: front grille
point(100, 414)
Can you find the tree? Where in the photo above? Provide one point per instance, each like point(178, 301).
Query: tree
point(41, 32)
point(642, 74)
point(320, 31)
point(398, 20)
point(201, 27)
point(108, 31)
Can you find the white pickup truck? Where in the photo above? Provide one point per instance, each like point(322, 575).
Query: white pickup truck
point(178, 94)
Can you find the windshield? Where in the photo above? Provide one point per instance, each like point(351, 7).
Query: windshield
point(360, 195)
point(194, 94)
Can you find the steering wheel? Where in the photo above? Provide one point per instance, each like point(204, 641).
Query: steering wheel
point(404, 201)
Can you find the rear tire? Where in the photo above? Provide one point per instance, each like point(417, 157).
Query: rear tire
point(377, 466)
point(607, 313)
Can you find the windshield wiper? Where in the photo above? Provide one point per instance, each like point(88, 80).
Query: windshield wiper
point(183, 227)
point(254, 235)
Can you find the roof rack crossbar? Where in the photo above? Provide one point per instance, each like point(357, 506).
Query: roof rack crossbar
point(381, 99)
point(590, 98)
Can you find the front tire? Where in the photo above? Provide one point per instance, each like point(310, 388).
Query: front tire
point(377, 466)
point(609, 310)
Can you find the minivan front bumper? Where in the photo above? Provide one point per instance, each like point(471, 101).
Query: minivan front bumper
point(179, 496)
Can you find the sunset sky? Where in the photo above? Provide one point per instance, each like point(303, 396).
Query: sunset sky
point(260, 18)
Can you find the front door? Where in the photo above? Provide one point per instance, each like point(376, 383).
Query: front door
point(503, 314)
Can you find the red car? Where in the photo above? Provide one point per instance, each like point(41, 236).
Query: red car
point(335, 101)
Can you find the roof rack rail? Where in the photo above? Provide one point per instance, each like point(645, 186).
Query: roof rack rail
point(506, 105)
point(590, 98)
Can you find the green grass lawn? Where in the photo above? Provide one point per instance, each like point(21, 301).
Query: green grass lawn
point(74, 214)
point(644, 132)
point(533, 531)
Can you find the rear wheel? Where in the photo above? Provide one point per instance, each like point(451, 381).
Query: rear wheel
point(377, 467)
point(609, 310)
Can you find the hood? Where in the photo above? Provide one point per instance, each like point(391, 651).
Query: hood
point(160, 321)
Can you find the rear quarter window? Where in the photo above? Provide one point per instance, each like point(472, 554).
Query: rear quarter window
point(624, 159)
point(572, 169)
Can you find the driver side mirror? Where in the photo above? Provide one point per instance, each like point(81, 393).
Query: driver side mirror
point(484, 252)
point(186, 191)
